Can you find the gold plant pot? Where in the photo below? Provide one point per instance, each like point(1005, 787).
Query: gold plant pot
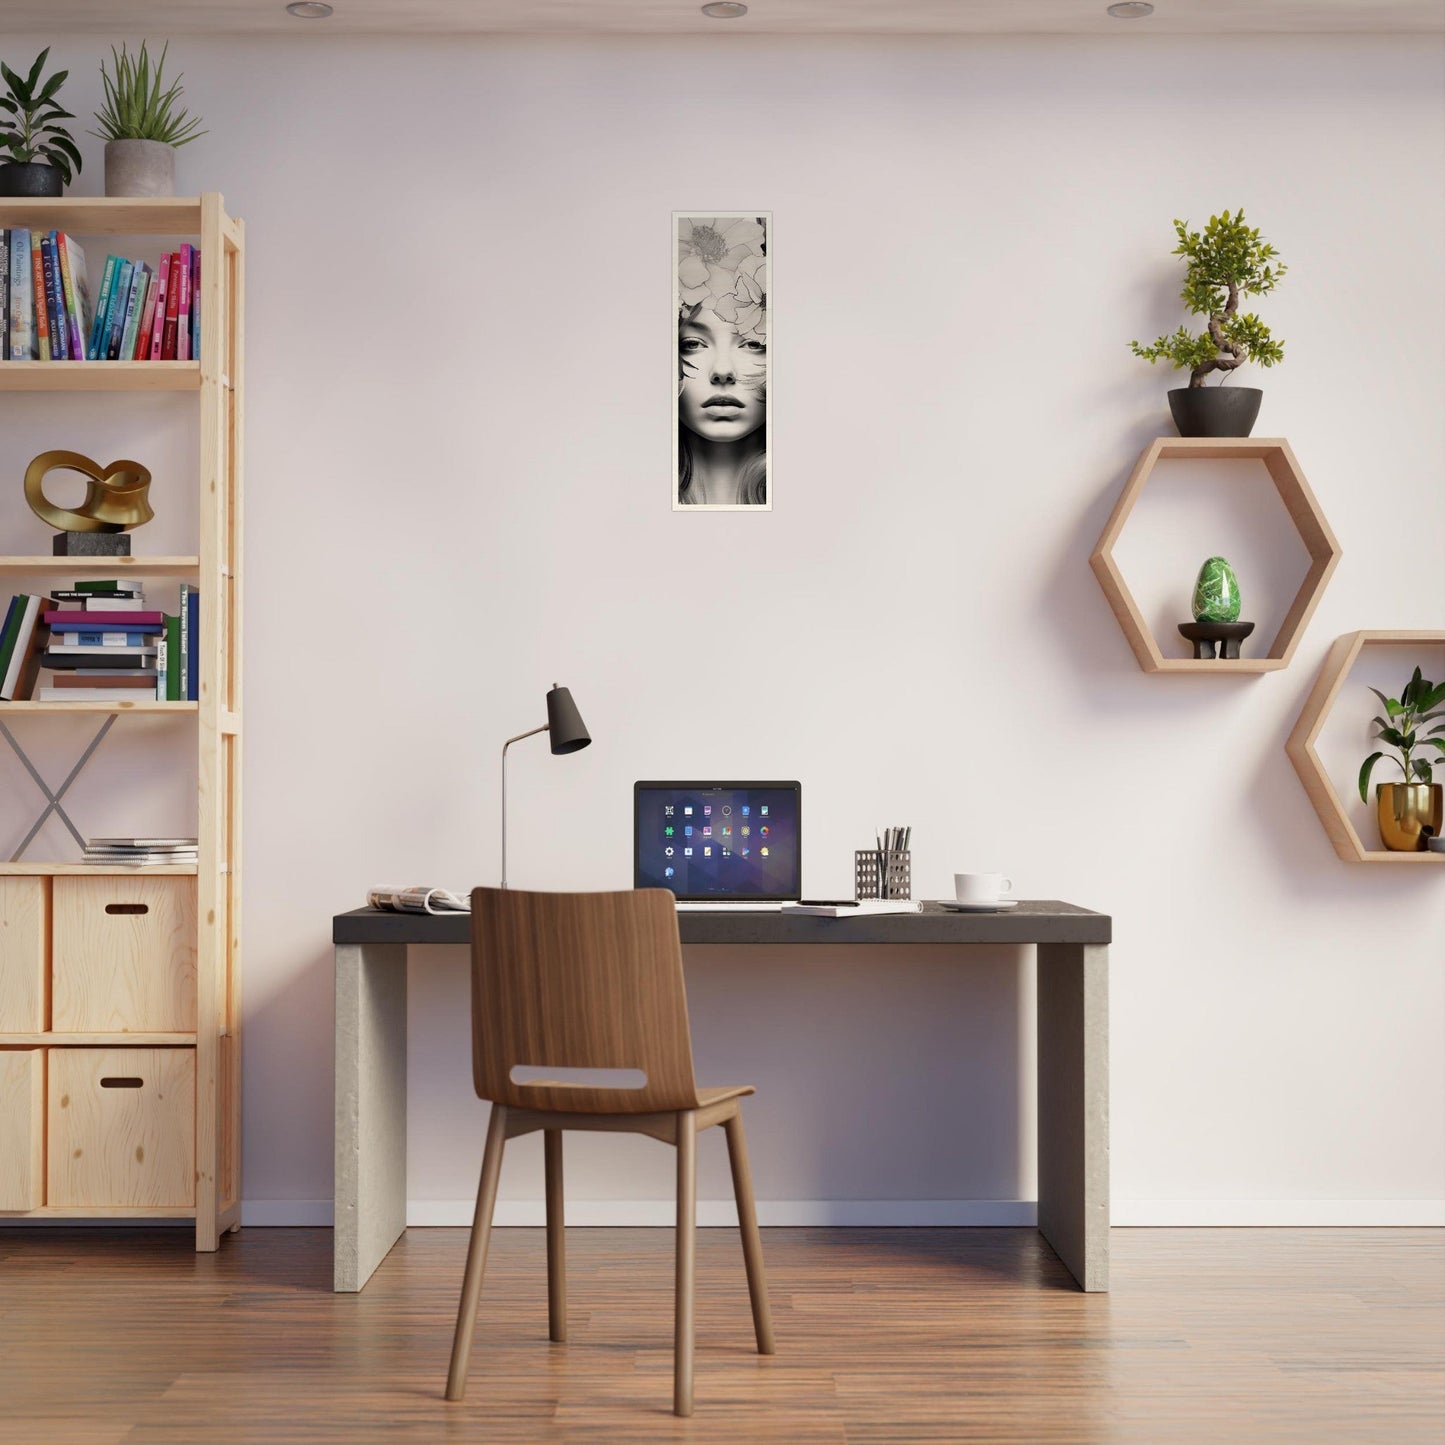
point(1406, 811)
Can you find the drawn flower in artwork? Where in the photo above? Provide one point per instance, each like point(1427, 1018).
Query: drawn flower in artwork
point(710, 250)
point(745, 307)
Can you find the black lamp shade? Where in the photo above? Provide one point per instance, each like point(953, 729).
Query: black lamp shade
point(565, 729)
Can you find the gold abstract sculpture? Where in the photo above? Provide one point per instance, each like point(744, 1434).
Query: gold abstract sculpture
point(115, 496)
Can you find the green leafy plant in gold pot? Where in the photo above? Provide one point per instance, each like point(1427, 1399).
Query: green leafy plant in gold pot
point(1410, 811)
point(141, 124)
point(37, 156)
point(1225, 263)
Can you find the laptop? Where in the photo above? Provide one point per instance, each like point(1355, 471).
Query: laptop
point(720, 845)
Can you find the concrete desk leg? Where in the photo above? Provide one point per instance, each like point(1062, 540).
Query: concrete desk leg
point(370, 1108)
point(1073, 993)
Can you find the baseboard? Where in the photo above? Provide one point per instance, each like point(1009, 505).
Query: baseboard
point(1278, 1213)
point(896, 1213)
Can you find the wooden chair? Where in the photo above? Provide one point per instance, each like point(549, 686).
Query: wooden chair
point(593, 981)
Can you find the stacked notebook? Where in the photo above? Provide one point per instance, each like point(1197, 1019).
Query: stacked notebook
point(140, 852)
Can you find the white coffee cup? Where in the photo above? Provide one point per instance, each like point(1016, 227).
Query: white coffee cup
point(980, 887)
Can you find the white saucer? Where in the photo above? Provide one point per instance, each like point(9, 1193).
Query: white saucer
point(954, 907)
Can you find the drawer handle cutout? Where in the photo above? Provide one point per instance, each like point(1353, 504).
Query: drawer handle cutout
point(121, 1082)
point(127, 908)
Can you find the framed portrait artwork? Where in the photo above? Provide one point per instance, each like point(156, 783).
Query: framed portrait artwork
point(722, 404)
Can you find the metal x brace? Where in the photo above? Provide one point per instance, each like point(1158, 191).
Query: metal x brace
point(53, 806)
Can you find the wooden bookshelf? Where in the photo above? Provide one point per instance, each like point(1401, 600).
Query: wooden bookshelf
point(79, 566)
point(1284, 473)
point(46, 898)
point(1300, 746)
point(101, 375)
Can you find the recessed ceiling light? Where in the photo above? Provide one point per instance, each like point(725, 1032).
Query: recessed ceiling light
point(1131, 9)
point(725, 10)
point(309, 9)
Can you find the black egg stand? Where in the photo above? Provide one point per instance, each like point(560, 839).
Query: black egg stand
point(1207, 635)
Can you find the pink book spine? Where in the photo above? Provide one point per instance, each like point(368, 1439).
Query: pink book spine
point(158, 325)
point(143, 331)
point(183, 308)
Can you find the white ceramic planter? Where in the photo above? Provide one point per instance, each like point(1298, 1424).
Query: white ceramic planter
point(140, 168)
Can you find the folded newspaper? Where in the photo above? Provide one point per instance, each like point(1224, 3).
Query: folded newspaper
point(418, 900)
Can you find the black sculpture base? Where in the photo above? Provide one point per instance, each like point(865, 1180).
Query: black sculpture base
point(1204, 636)
point(91, 544)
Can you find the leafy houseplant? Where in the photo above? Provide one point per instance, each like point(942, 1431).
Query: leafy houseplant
point(41, 157)
point(1409, 812)
point(1225, 262)
point(141, 125)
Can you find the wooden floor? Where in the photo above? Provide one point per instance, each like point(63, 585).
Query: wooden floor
point(1230, 1337)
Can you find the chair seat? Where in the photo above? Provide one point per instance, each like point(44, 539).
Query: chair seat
point(721, 1094)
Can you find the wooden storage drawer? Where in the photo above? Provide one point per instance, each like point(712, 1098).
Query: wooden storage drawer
point(22, 1128)
point(24, 943)
point(124, 955)
point(122, 1127)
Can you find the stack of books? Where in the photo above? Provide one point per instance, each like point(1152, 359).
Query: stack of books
point(107, 646)
point(141, 313)
point(22, 643)
point(140, 852)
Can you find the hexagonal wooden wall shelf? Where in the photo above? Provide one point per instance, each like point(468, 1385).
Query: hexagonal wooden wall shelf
point(1304, 511)
point(1301, 747)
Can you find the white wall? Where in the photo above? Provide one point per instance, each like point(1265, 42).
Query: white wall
point(458, 474)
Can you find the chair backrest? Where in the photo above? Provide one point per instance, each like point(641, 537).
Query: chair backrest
point(580, 981)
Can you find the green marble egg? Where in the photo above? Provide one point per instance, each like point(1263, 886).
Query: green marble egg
point(1216, 593)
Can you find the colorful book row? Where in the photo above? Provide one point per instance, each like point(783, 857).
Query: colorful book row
point(140, 313)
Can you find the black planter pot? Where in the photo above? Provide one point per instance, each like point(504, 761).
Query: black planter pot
point(30, 178)
point(1215, 411)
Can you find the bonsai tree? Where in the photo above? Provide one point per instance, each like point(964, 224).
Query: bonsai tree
point(135, 106)
point(1419, 703)
point(28, 112)
point(1227, 261)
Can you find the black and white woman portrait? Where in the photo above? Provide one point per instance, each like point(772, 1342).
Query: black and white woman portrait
point(720, 291)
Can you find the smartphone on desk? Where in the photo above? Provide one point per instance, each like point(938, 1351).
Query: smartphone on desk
point(827, 903)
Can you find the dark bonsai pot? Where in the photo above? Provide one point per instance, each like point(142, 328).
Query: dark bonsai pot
point(30, 178)
point(1215, 411)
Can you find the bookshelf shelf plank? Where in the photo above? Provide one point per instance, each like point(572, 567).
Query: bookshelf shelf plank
point(146, 566)
point(148, 705)
point(100, 375)
point(98, 1041)
point(67, 870)
point(92, 216)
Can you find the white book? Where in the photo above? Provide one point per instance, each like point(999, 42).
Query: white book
point(94, 694)
point(101, 604)
point(867, 908)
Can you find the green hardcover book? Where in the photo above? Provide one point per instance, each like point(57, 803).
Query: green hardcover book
point(9, 631)
point(112, 585)
point(173, 658)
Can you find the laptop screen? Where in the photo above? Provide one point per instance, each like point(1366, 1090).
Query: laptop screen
point(721, 841)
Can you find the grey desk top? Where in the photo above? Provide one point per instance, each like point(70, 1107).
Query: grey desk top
point(1033, 921)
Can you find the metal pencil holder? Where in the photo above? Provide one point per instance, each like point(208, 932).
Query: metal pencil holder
point(882, 874)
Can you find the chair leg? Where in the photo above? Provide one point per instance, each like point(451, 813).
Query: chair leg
point(686, 1262)
point(556, 1238)
point(477, 1253)
point(748, 1228)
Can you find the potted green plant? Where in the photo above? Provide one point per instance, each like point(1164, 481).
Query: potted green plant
point(1409, 812)
point(1225, 262)
point(39, 156)
point(141, 125)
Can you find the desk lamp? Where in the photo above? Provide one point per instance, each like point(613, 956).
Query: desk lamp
point(568, 735)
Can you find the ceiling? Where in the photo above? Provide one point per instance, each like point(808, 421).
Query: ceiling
point(682, 17)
